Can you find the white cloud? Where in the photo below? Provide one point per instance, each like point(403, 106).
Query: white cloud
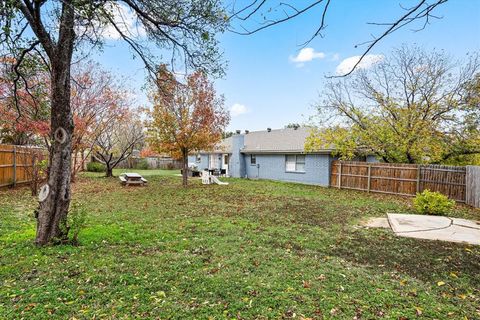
point(238, 109)
point(335, 57)
point(126, 21)
point(307, 54)
point(367, 62)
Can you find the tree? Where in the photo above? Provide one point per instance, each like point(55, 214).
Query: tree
point(186, 117)
point(24, 107)
point(118, 140)
point(227, 134)
point(471, 128)
point(293, 125)
point(98, 100)
point(34, 163)
point(408, 108)
point(55, 29)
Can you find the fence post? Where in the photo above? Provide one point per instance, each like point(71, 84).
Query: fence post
point(340, 176)
point(472, 185)
point(369, 177)
point(419, 169)
point(14, 166)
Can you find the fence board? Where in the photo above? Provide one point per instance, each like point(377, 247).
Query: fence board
point(473, 182)
point(400, 179)
point(16, 164)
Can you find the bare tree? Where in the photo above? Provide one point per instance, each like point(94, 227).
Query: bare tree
point(32, 162)
point(117, 142)
point(98, 100)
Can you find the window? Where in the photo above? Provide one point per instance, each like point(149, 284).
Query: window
point(198, 158)
point(253, 159)
point(295, 163)
point(225, 159)
point(214, 161)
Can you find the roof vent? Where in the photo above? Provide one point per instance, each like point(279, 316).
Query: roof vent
point(247, 132)
point(239, 131)
point(269, 129)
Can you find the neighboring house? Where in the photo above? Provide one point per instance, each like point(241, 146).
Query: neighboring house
point(271, 154)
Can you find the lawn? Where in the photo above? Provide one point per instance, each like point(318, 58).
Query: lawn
point(249, 250)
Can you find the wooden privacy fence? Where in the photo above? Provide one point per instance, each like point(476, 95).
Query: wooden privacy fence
point(16, 164)
point(459, 183)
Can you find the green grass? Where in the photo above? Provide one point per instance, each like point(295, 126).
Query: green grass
point(249, 250)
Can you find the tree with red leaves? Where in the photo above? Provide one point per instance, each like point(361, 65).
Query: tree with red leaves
point(24, 117)
point(97, 99)
point(186, 117)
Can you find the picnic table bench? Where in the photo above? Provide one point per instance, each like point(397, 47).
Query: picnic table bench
point(132, 179)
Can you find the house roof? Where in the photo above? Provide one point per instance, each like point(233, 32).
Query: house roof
point(288, 140)
point(225, 146)
point(279, 140)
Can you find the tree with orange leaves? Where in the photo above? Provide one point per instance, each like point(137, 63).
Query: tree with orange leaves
point(186, 117)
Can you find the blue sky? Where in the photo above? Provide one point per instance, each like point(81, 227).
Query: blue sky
point(267, 88)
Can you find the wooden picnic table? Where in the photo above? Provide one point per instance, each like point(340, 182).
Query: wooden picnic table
point(132, 179)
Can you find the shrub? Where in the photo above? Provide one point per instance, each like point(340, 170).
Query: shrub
point(435, 203)
point(74, 223)
point(96, 167)
point(77, 218)
point(142, 164)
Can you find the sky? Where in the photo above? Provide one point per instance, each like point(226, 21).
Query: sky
point(271, 80)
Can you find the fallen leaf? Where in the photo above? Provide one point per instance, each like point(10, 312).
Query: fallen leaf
point(418, 311)
point(440, 283)
point(334, 311)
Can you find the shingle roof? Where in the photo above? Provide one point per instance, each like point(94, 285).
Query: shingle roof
point(276, 141)
point(279, 140)
point(225, 146)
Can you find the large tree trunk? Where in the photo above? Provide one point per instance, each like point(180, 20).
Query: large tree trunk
point(185, 167)
point(53, 210)
point(52, 213)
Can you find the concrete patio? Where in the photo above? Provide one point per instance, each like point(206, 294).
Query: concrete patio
point(430, 227)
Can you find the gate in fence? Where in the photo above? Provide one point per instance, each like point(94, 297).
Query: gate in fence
point(459, 183)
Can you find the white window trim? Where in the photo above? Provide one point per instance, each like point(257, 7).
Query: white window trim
point(295, 163)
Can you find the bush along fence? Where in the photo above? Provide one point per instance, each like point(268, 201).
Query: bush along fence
point(461, 184)
point(19, 164)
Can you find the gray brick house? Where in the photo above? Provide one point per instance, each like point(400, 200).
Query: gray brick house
point(270, 154)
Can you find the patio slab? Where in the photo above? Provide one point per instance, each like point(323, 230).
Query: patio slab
point(435, 228)
point(375, 222)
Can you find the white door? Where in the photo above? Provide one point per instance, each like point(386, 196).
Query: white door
point(214, 162)
point(225, 159)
